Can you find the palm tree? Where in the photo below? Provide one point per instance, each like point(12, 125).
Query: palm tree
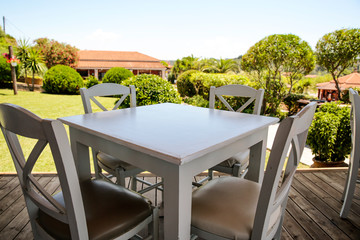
point(23, 56)
point(35, 63)
point(225, 66)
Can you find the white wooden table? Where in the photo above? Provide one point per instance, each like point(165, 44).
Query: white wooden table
point(173, 141)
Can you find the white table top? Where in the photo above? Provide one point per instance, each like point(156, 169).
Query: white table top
point(172, 132)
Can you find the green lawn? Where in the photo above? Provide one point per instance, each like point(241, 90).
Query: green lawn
point(46, 106)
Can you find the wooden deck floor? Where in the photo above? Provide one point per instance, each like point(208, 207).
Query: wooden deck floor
point(312, 210)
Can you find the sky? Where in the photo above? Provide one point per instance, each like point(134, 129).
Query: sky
point(170, 30)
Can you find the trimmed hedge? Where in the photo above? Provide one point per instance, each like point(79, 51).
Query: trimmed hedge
point(117, 75)
point(62, 79)
point(151, 89)
point(192, 82)
point(194, 87)
point(329, 135)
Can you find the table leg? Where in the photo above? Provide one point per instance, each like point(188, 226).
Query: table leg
point(81, 156)
point(177, 204)
point(257, 160)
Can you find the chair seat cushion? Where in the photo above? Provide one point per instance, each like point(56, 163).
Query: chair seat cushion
point(241, 157)
point(226, 207)
point(110, 211)
point(112, 162)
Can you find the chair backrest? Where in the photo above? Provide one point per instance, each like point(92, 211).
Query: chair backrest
point(237, 90)
point(355, 125)
point(16, 121)
point(107, 89)
point(291, 135)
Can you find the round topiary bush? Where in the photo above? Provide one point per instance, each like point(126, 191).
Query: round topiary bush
point(151, 89)
point(117, 75)
point(62, 79)
point(329, 135)
point(184, 85)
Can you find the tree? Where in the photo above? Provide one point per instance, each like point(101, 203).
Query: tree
point(221, 66)
point(186, 63)
point(23, 55)
point(338, 50)
point(271, 58)
point(57, 53)
point(35, 64)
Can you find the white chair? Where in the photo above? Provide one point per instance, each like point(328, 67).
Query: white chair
point(90, 209)
point(236, 165)
point(236, 208)
point(110, 164)
point(354, 162)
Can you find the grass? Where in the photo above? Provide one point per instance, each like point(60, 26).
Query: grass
point(45, 106)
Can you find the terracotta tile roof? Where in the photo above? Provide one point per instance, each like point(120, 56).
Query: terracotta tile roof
point(348, 81)
point(109, 59)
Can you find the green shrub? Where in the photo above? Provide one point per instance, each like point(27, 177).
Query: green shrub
point(62, 79)
point(291, 102)
point(198, 101)
point(329, 135)
point(203, 81)
point(151, 89)
point(5, 73)
point(117, 75)
point(91, 81)
point(184, 85)
point(192, 82)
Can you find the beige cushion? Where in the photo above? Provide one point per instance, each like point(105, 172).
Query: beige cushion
point(110, 211)
point(241, 157)
point(112, 162)
point(226, 207)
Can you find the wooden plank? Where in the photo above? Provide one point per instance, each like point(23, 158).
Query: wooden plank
point(53, 185)
point(336, 195)
point(293, 227)
point(324, 194)
point(4, 180)
point(309, 190)
point(343, 175)
point(25, 233)
point(7, 188)
point(305, 221)
point(10, 198)
point(317, 217)
point(285, 235)
point(335, 182)
point(302, 211)
point(15, 226)
point(19, 204)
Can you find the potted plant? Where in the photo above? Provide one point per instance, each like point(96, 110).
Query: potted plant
point(329, 135)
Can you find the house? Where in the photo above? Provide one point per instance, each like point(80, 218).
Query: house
point(327, 90)
point(96, 63)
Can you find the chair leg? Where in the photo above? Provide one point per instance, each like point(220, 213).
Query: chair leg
point(349, 188)
point(346, 183)
point(154, 226)
point(133, 183)
point(210, 174)
point(120, 177)
point(97, 168)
